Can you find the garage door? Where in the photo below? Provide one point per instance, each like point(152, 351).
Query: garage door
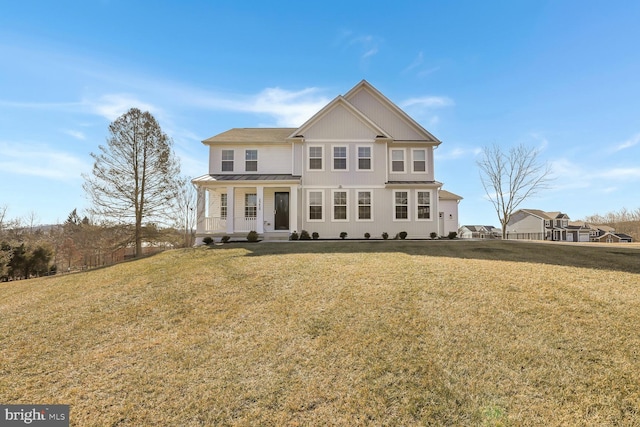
point(583, 237)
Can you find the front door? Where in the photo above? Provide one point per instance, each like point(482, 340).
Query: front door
point(282, 211)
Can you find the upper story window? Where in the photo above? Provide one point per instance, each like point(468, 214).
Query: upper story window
point(227, 160)
point(251, 160)
point(547, 223)
point(340, 158)
point(419, 160)
point(397, 160)
point(315, 158)
point(364, 158)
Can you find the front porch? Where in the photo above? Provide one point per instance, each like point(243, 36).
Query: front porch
point(269, 208)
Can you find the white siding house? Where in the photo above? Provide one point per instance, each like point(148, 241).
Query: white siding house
point(360, 165)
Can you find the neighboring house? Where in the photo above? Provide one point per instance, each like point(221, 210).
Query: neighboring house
point(360, 165)
point(479, 232)
point(609, 237)
point(604, 233)
point(533, 224)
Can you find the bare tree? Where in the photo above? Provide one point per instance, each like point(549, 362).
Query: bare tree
point(185, 210)
point(510, 178)
point(133, 178)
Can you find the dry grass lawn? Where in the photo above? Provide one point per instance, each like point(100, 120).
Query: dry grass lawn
point(334, 333)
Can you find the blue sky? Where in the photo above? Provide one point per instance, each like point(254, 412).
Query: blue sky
point(563, 76)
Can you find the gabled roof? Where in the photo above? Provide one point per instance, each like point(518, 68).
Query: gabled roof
point(339, 101)
point(366, 86)
point(251, 136)
point(545, 215)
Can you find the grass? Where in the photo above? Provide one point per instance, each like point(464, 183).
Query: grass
point(334, 333)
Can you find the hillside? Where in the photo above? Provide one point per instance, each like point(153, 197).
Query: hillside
point(334, 333)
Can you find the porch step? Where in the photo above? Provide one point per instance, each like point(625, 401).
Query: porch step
point(273, 235)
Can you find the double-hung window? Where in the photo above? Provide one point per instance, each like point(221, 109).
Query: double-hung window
point(315, 158)
point(397, 160)
point(223, 206)
point(401, 205)
point(364, 206)
point(250, 205)
point(419, 160)
point(364, 158)
point(315, 205)
point(340, 206)
point(340, 158)
point(227, 160)
point(251, 160)
point(424, 205)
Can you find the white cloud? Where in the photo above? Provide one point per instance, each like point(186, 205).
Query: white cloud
point(457, 153)
point(621, 173)
point(76, 134)
point(428, 102)
point(112, 106)
point(40, 160)
point(634, 140)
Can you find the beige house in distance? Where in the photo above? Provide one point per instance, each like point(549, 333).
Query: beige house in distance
point(359, 165)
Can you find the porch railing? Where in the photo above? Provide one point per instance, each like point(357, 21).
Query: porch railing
point(213, 224)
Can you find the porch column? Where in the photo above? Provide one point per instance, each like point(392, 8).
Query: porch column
point(293, 208)
point(200, 210)
point(260, 210)
point(231, 204)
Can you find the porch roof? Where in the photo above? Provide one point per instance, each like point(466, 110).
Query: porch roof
point(211, 179)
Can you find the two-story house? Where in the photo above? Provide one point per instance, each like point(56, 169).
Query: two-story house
point(534, 224)
point(360, 165)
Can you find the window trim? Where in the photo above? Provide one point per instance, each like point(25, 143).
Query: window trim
point(370, 147)
point(358, 219)
point(247, 206)
point(322, 162)
point(346, 157)
point(417, 207)
point(333, 205)
point(224, 207)
point(395, 218)
point(223, 160)
point(404, 161)
point(246, 161)
point(322, 203)
point(413, 160)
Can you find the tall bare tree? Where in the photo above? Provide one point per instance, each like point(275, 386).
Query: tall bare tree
point(510, 178)
point(185, 210)
point(133, 176)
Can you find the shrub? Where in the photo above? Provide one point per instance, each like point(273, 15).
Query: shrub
point(343, 235)
point(252, 236)
point(433, 235)
point(367, 235)
point(403, 235)
point(304, 235)
point(315, 235)
point(385, 235)
point(225, 239)
point(207, 240)
point(293, 236)
point(452, 235)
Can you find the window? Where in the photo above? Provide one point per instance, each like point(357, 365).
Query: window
point(397, 160)
point(251, 160)
point(227, 160)
point(401, 205)
point(250, 205)
point(315, 205)
point(223, 206)
point(340, 206)
point(315, 158)
point(424, 205)
point(364, 158)
point(419, 160)
point(339, 158)
point(364, 206)
point(547, 223)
